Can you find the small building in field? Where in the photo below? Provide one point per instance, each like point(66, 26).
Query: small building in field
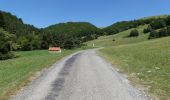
point(54, 49)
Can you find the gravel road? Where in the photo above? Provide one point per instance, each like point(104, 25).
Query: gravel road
point(80, 76)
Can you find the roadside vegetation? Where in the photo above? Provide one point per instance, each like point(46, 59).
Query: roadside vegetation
point(146, 63)
point(5, 45)
point(16, 73)
point(131, 45)
point(142, 53)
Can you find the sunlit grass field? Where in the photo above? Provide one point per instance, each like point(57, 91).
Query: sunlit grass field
point(120, 38)
point(15, 73)
point(146, 63)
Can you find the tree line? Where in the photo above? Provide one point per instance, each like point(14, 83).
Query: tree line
point(125, 25)
point(158, 28)
point(15, 35)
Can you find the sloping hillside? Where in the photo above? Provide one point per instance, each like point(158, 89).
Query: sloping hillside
point(120, 38)
point(15, 25)
point(146, 63)
point(83, 30)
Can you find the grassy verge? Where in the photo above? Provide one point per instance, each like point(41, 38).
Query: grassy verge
point(146, 63)
point(15, 73)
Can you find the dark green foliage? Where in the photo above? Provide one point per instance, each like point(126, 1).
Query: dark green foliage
point(5, 45)
point(148, 29)
point(125, 25)
point(134, 33)
point(15, 25)
point(69, 35)
point(162, 24)
point(157, 24)
point(168, 31)
point(168, 21)
point(120, 26)
point(83, 30)
point(153, 34)
point(2, 23)
point(110, 31)
point(62, 40)
point(29, 42)
point(161, 33)
point(25, 40)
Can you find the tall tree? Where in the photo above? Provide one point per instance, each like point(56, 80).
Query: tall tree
point(2, 23)
point(5, 45)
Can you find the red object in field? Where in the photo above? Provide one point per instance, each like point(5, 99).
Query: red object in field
point(54, 49)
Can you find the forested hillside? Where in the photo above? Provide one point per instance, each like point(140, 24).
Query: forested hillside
point(84, 30)
point(25, 37)
point(125, 25)
point(71, 34)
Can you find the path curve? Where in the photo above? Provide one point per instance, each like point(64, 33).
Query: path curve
point(81, 76)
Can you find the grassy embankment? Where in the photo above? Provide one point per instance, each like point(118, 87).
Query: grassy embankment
point(16, 73)
point(146, 62)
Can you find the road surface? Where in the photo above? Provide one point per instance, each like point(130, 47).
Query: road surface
point(80, 76)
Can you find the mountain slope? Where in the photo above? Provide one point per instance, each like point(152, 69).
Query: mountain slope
point(146, 63)
point(125, 25)
point(83, 30)
point(15, 25)
point(120, 38)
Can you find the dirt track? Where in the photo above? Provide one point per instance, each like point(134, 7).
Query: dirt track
point(81, 76)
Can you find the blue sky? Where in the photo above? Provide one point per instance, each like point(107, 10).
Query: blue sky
point(101, 13)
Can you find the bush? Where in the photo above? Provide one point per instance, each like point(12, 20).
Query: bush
point(25, 44)
point(5, 45)
point(157, 24)
point(134, 33)
point(148, 29)
point(161, 33)
point(6, 55)
point(29, 42)
point(113, 40)
point(153, 34)
point(168, 31)
point(168, 21)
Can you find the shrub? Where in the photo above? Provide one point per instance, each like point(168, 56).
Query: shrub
point(161, 33)
point(168, 20)
point(157, 24)
point(6, 55)
point(153, 34)
point(134, 33)
point(148, 29)
point(168, 31)
point(5, 45)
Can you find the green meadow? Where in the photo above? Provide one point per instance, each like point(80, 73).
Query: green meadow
point(15, 73)
point(146, 63)
point(120, 38)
